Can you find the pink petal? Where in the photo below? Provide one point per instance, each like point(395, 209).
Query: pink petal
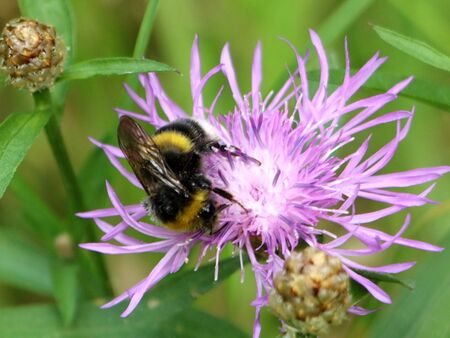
point(228, 70)
point(322, 90)
point(115, 151)
point(170, 108)
point(108, 212)
point(391, 268)
point(111, 249)
point(256, 77)
point(196, 76)
point(121, 238)
point(360, 311)
point(370, 286)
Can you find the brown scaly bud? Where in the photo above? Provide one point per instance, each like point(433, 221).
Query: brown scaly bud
point(31, 54)
point(312, 292)
point(64, 246)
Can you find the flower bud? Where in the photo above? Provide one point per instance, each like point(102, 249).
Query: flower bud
point(31, 54)
point(64, 246)
point(311, 293)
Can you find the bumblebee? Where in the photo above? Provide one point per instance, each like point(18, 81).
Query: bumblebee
point(169, 167)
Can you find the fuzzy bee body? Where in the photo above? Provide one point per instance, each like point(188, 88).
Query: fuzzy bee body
point(169, 167)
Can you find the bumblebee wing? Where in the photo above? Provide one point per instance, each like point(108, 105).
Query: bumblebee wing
point(145, 158)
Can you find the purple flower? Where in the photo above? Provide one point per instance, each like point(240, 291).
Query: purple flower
point(302, 179)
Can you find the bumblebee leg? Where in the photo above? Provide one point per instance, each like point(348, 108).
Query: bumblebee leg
point(218, 210)
point(227, 150)
point(200, 181)
point(225, 194)
point(208, 215)
point(221, 208)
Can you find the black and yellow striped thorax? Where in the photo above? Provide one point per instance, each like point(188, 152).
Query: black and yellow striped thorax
point(180, 145)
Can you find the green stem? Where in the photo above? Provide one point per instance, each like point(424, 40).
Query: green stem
point(145, 29)
point(56, 141)
point(81, 231)
point(142, 41)
point(292, 332)
point(295, 334)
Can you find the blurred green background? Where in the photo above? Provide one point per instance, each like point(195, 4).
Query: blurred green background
point(107, 28)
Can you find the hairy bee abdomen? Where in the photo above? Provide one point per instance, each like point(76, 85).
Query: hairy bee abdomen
point(181, 213)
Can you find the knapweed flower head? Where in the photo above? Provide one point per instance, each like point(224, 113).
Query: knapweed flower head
point(301, 178)
point(311, 292)
point(31, 54)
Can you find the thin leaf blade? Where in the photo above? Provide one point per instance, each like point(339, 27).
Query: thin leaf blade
point(42, 219)
point(17, 133)
point(145, 28)
point(415, 48)
point(198, 324)
point(112, 66)
point(425, 312)
point(65, 285)
point(170, 298)
point(339, 21)
point(23, 265)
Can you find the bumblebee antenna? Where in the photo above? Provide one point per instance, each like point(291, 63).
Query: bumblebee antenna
point(225, 150)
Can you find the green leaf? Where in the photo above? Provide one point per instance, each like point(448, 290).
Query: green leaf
point(358, 292)
point(292, 332)
point(415, 48)
point(42, 321)
point(145, 28)
point(198, 324)
point(23, 265)
point(341, 19)
point(423, 90)
point(171, 297)
point(182, 288)
point(423, 313)
point(112, 66)
point(45, 223)
point(17, 133)
point(65, 284)
point(386, 277)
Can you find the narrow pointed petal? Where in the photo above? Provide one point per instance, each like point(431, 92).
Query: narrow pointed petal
point(374, 289)
point(323, 85)
point(107, 248)
point(360, 311)
point(391, 268)
point(108, 212)
point(256, 77)
point(195, 75)
point(228, 70)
